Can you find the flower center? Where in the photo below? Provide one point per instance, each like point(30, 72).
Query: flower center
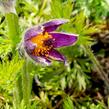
point(44, 43)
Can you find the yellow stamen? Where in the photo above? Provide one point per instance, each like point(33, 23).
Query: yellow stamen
point(41, 48)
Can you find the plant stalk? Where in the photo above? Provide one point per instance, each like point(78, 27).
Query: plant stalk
point(98, 67)
point(26, 84)
point(13, 28)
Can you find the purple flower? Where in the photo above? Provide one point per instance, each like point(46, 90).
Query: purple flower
point(40, 42)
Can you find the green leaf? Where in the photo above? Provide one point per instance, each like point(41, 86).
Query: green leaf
point(9, 69)
point(5, 47)
point(68, 104)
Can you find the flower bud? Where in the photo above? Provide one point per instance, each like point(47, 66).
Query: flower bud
point(7, 6)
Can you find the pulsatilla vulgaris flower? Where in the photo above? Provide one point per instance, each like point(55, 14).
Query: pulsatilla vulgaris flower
point(41, 41)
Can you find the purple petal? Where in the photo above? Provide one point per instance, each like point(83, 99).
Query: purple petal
point(41, 60)
point(33, 32)
point(63, 39)
point(55, 55)
point(29, 46)
point(53, 24)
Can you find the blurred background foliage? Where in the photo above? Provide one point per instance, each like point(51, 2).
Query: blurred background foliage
point(79, 85)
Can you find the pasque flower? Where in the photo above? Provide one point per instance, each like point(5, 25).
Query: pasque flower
point(40, 42)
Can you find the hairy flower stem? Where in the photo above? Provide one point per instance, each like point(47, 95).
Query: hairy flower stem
point(17, 92)
point(13, 28)
point(98, 67)
point(26, 84)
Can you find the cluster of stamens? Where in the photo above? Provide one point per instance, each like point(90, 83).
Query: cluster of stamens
point(44, 43)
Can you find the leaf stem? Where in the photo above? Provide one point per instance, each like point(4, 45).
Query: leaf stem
point(98, 67)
